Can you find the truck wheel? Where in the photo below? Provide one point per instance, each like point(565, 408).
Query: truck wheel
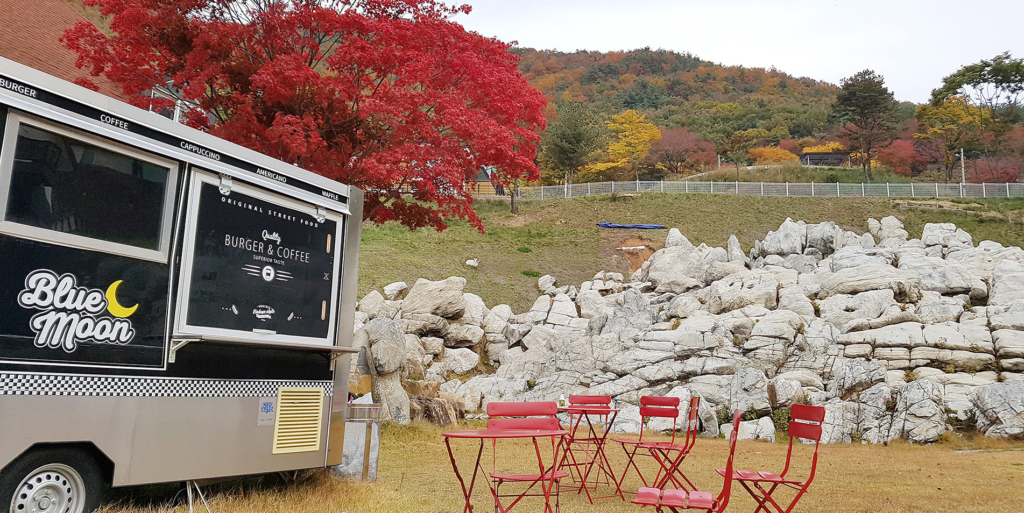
point(52, 480)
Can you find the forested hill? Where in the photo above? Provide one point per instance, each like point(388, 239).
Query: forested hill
point(680, 89)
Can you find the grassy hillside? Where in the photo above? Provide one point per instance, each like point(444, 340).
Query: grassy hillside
point(564, 241)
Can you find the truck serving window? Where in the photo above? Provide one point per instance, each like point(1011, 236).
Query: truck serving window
point(74, 185)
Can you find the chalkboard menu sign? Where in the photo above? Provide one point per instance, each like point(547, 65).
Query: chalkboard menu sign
point(260, 267)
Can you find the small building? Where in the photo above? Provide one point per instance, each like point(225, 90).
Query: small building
point(481, 183)
point(824, 158)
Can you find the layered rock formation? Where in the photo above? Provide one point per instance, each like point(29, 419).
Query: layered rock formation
point(895, 337)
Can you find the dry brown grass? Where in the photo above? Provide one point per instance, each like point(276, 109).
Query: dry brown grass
point(415, 476)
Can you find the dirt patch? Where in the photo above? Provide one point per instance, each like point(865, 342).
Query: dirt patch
point(631, 253)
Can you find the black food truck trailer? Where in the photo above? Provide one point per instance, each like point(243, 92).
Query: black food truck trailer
point(172, 306)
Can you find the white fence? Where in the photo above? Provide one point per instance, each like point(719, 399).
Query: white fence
point(832, 189)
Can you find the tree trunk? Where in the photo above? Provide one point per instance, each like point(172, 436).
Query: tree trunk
point(866, 163)
point(515, 198)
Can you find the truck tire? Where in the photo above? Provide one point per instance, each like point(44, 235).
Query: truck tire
point(51, 480)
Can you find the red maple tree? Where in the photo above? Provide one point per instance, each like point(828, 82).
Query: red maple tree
point(391, 96)
point(902, 156)
point(680, 149)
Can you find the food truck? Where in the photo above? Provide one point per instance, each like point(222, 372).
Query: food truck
point(173, 307)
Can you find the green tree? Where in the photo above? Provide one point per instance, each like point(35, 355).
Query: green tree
point(867, 112)
point(995, 85)
point(735, 148)
point(573, 141)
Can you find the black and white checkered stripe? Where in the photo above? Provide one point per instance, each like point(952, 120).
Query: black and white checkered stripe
point(17, 383)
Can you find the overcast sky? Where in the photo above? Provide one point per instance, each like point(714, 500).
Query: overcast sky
point(912, 43)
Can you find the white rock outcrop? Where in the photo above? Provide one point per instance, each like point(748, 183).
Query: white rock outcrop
point(896, 337)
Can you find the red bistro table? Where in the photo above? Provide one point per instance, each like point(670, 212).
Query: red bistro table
point(546, 478)
point(591, 444)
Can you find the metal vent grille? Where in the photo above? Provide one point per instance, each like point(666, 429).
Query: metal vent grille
point(299, 414)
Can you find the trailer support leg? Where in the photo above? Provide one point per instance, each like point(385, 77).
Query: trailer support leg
point(366, 451)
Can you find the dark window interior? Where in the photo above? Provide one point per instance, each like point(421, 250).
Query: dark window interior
point(69, 186)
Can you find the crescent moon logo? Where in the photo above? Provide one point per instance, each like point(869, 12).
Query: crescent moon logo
point(113, 306)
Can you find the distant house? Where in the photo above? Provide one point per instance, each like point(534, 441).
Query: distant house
point(481, 183)
point(822, 158)
point(31, 32)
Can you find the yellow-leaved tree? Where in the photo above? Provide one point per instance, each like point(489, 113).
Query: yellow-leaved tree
point(951, 125)
point(770, 155)
point(634, 138)
point(828, 147)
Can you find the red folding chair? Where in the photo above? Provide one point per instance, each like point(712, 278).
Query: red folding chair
point(585, 448)
point(677, 500)
point(527, 416)
point(806, 424)
point(669, 455)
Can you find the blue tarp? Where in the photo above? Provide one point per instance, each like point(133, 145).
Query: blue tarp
point(641, 226)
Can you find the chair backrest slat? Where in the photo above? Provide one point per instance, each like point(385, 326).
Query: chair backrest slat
point(807, 413)
point(650, 400)
point(602, 400)
point(805, 431)
point(541, 415)
point(527, 424)
point(654, 411)
point(524, 409)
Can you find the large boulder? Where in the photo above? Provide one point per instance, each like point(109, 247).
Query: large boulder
point(497, 319)
point(853, 280)
point(387, 345)
point(946, 235)
point(463, 335)
point(856, 256)
point(1009, 343)
point(677, 239)
point(822, 237)
point(749, 391)
point(563, 310)
point(854, 376)
point(753, 287)
point(1007, 283)
point(475, 311)
point(387, 354)
point(935, 308)
point(1000, 408)
point(939, 275)
point(841, 309)
point(890, 228)
point(677, 269)
point(790, 239)
point(981, 261)
point(395, 291)
point(762, 429)
point(443, 298)
point(920, 413)
point(371, 304)
point(736, 254)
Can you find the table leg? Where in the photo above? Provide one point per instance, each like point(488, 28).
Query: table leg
point(467, 493)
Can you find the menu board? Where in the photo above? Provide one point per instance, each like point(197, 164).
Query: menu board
point(260, 267)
